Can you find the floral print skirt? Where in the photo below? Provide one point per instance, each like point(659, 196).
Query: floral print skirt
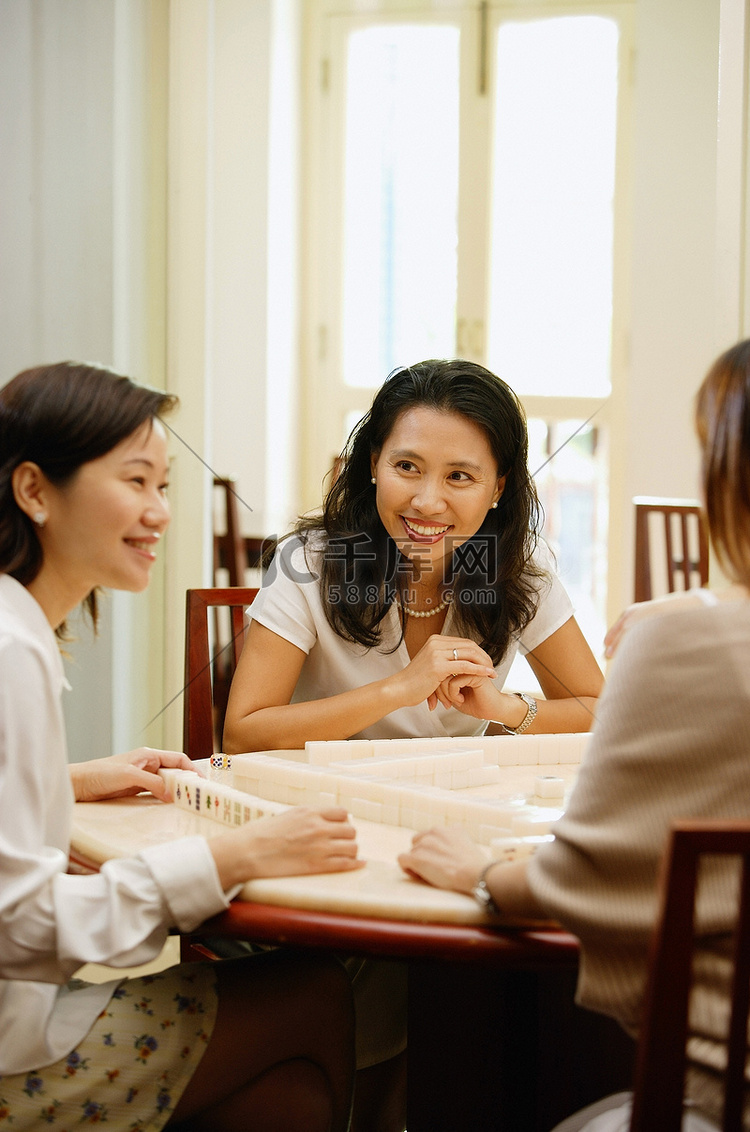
point(133, 1065)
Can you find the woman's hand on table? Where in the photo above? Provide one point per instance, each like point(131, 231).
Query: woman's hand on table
point(435, 663)
point(445, 858)
point(120, 776)
point(293, 843)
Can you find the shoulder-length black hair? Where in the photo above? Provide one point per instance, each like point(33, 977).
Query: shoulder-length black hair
point(494, 590)
point(60, 417)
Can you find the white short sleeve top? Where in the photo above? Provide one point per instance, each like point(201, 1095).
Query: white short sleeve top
point(290, 604)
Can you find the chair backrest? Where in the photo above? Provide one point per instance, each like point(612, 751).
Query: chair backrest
point(199, 724)
point(233, 551)
point(676, 528)
point(660, 1062)
point(255, 549)
point(229, 548)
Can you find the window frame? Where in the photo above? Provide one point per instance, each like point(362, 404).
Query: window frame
point(327, 400)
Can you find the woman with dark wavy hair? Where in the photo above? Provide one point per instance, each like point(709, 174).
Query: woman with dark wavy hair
point(398, 611)
point(265, 1043)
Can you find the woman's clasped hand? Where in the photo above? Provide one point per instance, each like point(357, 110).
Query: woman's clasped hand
point(461, 676)
point(442, 665)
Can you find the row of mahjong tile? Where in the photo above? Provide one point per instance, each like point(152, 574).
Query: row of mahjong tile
point(230, 806)
point(215, 800)
point(412, 805)
point(419, 808)
point(451, 770)
point(298, 782)
point(496, 750)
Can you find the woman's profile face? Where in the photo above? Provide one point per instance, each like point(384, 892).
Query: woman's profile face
point(104, 525)
point(436, 478)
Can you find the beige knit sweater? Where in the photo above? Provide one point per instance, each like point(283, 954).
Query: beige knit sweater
point(672, 740)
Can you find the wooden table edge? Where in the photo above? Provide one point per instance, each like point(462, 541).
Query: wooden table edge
point(526, 948)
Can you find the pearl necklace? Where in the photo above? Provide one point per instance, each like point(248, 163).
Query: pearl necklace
point(426, 612)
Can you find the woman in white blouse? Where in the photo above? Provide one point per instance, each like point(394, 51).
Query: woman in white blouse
point(398, 611)
point(265, 1043)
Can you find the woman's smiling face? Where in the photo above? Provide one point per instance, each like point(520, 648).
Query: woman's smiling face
point(436, 478)
point(103, 527)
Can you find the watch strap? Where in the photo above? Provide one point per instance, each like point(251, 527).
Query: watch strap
point(527, 720)
point(481, 892)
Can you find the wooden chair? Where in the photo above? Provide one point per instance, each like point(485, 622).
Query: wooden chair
point(229, 550)
point(684, 544)
point(660, 1062)
point(203, 717)
point(234, 552)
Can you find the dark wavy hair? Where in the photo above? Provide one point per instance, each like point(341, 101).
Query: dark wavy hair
point(722, 417)
point(494, 591)
point(60, 417)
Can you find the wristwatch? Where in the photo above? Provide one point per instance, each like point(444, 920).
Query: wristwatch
point(527, 720)
point(481, 892)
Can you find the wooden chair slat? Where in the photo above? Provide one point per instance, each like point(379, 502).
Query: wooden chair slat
point(679, 561)
point(661, 1058)
point(199, 703)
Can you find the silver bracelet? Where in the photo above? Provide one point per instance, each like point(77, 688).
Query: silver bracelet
point(527, 720)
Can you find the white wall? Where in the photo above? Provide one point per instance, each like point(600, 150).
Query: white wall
point(148, 222)
point(253, 289)
point(253, 211)
point(73, 275)
point(232, 291)
point(283, 417)
point(689, 249)
point(672, 298)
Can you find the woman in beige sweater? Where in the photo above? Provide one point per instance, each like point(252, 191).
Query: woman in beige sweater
point(671, 741)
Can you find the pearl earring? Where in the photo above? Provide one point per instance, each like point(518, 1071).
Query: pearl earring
point(373, 480)
point(494, 505)
point(40, 518)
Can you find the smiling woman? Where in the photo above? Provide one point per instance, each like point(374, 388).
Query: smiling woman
point(83, 472)
point(397, 613)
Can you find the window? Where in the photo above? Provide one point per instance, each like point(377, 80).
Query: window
point(400, 199)
point(464, 201)
point(551, 265)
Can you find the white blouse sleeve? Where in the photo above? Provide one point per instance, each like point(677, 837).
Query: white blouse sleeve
point(52, 922)
point(554, 607)
point(290, 597)
point(121, 915)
